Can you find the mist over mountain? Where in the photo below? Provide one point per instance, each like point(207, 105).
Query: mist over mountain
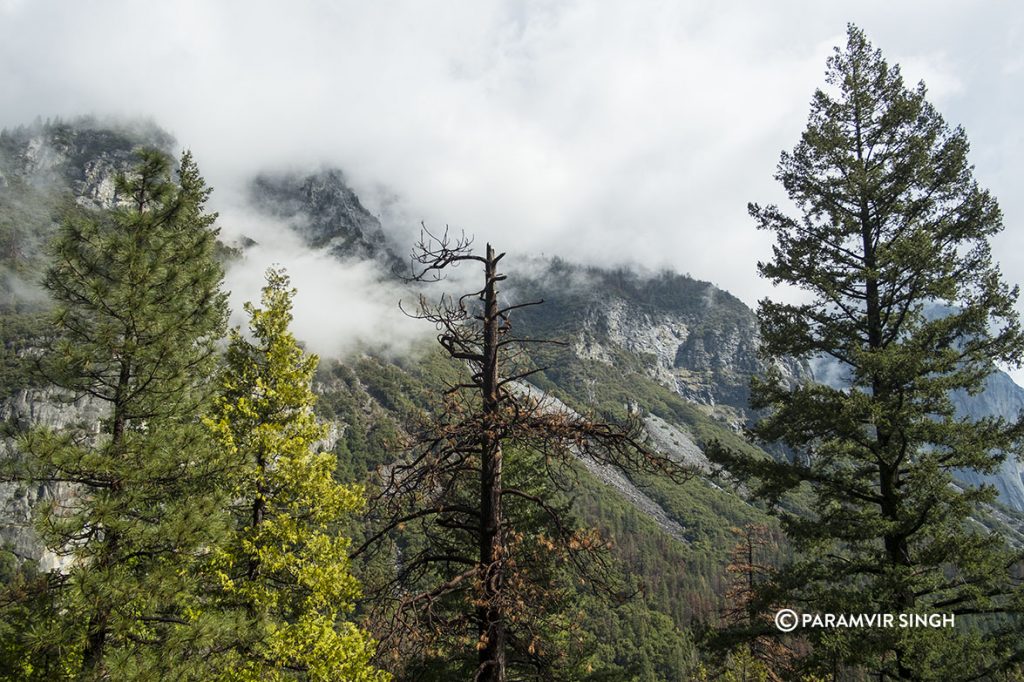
point(677, 352)
point(324, 211)
point(694, 339)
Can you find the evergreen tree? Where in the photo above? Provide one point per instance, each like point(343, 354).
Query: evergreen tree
point(283, 573)
point(892, 251)
point(139, 310)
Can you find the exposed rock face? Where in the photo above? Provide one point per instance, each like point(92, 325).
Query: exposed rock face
point(98, 186)
point(53, 409)
point(1000, 398)
point(324, 211)
point(644, 333)
point(690, 336)
point(44, 168)
point(81, 156)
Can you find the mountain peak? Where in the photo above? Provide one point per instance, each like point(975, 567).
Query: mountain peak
point(323, 210)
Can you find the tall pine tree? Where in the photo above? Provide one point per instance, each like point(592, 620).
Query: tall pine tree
point(283, 578)
point(892, 252)
point(139, 310)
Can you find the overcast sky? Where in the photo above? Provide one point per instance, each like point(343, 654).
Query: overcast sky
point(601, 131)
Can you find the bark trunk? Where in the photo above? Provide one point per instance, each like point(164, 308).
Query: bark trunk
point(490, 615)
point(99, 621)
point(896, 547)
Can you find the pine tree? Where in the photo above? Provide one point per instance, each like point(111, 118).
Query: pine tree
point(139, 310)
point(284, 570)
point(892, 252)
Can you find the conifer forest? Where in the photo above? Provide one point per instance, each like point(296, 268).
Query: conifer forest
point(308, 427)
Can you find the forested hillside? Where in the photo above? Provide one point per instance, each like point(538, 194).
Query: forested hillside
point(673, 540)
point(589, 474)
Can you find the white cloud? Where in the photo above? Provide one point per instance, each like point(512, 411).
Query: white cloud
point(338, 308)
point(611, 132)
point(936, 71)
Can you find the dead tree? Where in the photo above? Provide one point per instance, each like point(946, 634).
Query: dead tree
point(470, 568)
point(752, 561)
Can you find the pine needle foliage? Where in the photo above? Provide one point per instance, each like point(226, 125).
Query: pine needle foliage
point(283, 575)
point(139, 310)
point(892, 251)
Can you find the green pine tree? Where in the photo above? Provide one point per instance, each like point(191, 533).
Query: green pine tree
point(892, 253)
point(283, 575)
point(139, 310)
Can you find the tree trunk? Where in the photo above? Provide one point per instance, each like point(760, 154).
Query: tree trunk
point(896, 548)
point(99, 620)
point(489, 613)
point(259, 509)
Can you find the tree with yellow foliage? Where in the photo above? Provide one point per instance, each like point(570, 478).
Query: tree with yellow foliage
point(282, 578)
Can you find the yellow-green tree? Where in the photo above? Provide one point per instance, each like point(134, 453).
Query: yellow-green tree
point(282, 577)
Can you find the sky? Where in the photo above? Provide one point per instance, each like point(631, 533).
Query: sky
point(606, 132)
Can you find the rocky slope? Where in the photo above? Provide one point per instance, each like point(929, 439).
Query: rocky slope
point(45, 407)
point(324, 211)
point(678, 350)
point(1000, 398)
point(687, 335)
